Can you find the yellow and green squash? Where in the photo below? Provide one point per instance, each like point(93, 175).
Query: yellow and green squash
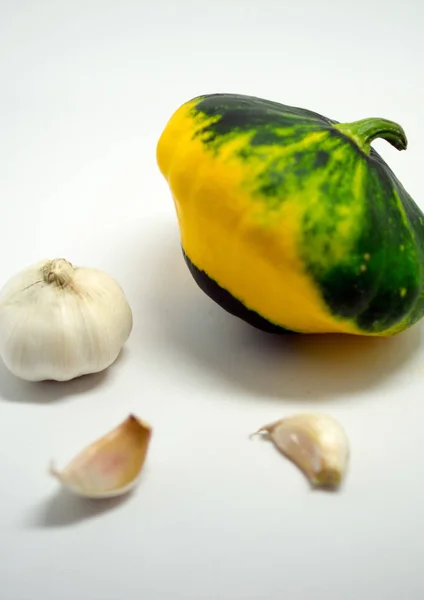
point(290, 220)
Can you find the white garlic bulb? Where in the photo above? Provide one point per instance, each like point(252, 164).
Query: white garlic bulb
point(59, 322)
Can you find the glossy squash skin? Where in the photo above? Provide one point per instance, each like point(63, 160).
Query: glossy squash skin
point(290, 220)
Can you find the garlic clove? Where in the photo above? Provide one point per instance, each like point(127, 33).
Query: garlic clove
point(111, 465)
point(316, 443)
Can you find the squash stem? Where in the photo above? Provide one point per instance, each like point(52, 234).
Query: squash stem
point(365, 131)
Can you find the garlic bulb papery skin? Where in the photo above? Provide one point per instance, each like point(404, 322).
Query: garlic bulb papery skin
point(110, 466)
point(316, 443)
point(58, 322)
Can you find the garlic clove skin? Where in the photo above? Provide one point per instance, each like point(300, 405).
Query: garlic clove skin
point(316, 443)
point(110, 466)
point(58, 322)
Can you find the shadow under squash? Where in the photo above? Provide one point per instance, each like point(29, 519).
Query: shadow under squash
point(190, 326)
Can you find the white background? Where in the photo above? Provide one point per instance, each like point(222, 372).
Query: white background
point(86, 89)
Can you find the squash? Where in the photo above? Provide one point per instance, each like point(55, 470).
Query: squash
point(290, 220)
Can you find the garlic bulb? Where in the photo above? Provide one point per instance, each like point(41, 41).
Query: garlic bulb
point(58, 321)
point(111, 465)
point(316, 443)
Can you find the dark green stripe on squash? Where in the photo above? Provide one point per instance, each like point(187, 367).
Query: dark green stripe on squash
point(229, 303)
point(379, 280)
point(399, 272)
